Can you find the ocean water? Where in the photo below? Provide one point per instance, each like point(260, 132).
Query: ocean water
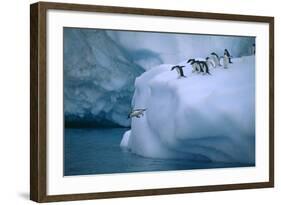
point(90, 151)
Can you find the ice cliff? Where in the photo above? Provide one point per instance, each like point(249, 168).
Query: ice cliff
point(98, 79)
point(201, 117)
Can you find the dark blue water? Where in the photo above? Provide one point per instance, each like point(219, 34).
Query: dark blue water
point(97, 151)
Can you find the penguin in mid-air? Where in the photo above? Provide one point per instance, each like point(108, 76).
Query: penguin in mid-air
point(195, 65)
point(204, 67)
point(136, 113)
point(179, 70)
point(215, 58)
point(228, 55)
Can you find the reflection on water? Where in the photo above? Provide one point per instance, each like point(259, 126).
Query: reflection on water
point(97, 151)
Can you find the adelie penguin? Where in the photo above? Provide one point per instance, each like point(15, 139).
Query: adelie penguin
point(228, 55)
point(225, 61)
point(210, 62)
point(215, 58)
point(179, 70)
point(195, 65)
point(136, 113)
point(204, 67)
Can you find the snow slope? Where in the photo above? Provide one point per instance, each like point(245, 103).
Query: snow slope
point(201, 117)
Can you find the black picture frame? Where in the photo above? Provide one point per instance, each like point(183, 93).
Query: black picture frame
point(38, 100)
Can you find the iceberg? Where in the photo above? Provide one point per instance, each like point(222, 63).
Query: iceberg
point(200, 117)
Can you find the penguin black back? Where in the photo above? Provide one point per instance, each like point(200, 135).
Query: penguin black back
point(173, 67)
point(226, 52)
point(200, 66)
point(177, 66)
point(179, 70)
point(191, 61)
point(213, 53)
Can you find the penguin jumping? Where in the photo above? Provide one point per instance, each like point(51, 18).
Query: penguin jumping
point(228, 55)
point(179, 70)
point(136, 113)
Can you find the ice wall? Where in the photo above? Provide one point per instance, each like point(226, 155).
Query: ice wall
point(151, 49)
point(201, 117)
point(98, 79)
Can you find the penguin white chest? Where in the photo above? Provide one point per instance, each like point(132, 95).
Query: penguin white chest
point(211, 62)
point(215, 60)
point(195, 67)
point(225, 61)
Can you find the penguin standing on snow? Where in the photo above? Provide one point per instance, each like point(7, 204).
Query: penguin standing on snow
point(228, 55)
point(195, 65)
point(225, 61)
point(210, 62)
point(179, 70)
point(204, 67)
point(215, 58)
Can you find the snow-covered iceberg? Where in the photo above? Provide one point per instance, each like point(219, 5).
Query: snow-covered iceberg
point(200, 117)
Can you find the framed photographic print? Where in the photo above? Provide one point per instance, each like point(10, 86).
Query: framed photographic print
point(135, 102)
